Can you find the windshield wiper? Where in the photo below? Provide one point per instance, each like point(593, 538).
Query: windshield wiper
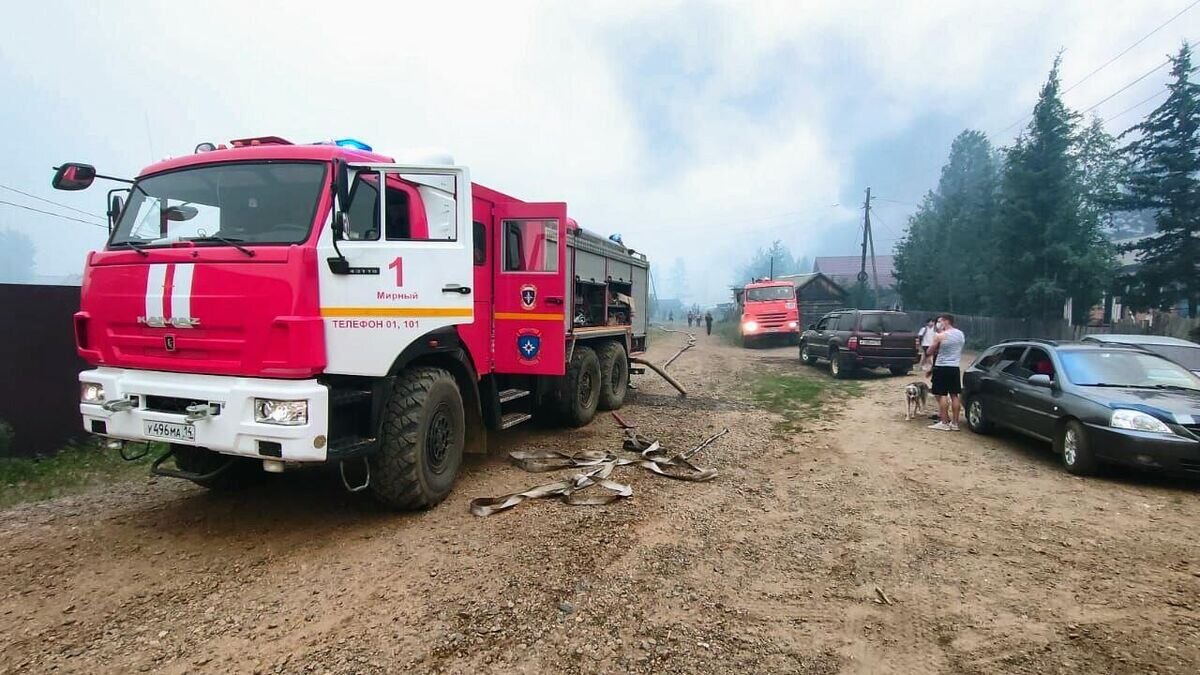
point(1175, 387)
point(225, 240)
point(129, 244)
point(1117, 386)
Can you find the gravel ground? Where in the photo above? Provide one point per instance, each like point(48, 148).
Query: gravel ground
point(993, 560)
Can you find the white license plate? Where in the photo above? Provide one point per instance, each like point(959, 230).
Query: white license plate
point(870, 342)
point(170, 430)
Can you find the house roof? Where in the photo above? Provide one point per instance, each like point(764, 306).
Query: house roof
point(802, 280)
point(846, 267)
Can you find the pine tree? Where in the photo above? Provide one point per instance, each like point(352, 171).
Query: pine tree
point(1165, 163)
point(937, 262)
point(1046, 249)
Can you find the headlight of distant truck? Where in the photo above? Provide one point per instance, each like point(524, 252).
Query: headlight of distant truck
point(286, 413)
point(793, 324)
point(91, 392)
point(749, 326)
point(1138, 421)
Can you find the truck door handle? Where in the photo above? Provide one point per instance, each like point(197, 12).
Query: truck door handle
point(553, 300)
point(456, 288)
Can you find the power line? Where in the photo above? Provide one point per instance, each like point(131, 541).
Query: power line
point(1139, 104)
point(55, 215)
point(897, 201)
point(1110, 96)
point(61, 206)
point(1130, 47)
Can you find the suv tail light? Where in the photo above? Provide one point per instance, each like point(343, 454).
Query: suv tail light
point(852, 343)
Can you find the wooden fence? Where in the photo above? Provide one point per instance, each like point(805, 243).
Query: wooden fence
point(39, 389)
point(982, 331)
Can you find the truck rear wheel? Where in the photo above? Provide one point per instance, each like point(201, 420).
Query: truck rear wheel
point(424, 430)
point(614, 375)
point(581, 388)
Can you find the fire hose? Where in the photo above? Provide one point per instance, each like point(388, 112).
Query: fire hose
point(599, 464)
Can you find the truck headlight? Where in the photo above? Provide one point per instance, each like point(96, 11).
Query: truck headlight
point(91, 392)
point(793, 324)
point(1138, 421)
point(285, 413)
point(749, 326)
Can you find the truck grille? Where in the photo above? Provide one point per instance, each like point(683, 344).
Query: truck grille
point(772, 320)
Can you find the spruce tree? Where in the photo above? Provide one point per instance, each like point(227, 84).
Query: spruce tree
point(1164, 167)
point(1047, 249)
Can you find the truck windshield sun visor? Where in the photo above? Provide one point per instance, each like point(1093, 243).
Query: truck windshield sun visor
point(224, 205)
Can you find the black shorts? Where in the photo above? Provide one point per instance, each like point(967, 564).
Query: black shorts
point(945, 380)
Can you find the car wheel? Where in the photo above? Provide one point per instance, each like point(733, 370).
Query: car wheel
point(805, 356)
point(900, 370)
point(977, 419)
point(1074, 451)
point(837, 368)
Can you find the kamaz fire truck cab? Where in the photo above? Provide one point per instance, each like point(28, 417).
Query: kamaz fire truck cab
point(769, 309)
point(276, 305)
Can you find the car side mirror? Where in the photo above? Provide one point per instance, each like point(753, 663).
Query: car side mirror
point(115, 204)
point(812, 326)
point(73, 176)
point(1041, 380)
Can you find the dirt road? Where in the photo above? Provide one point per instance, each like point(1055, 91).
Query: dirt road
point(993, 560)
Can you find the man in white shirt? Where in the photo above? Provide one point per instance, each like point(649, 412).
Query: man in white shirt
point(945, 376)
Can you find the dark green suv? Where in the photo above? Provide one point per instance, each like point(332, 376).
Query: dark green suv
point(862, 338)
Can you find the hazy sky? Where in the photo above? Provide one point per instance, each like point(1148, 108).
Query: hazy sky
point(699, 130)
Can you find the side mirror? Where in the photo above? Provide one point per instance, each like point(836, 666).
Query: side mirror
point(812, 326)
point(339, 225)
point(178, 214)
point(115, 204)
point(73, 176)
point(1041, 380)
point(341, 183)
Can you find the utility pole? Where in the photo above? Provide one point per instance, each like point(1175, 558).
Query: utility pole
point(868, 240)
point(771, 274)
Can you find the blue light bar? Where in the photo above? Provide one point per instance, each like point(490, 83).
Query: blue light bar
point(352, 143)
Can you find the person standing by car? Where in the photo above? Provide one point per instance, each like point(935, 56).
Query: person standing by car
point(945, 376)
point(926, 335)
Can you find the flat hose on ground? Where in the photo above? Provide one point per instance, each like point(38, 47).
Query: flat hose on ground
point(599, 465)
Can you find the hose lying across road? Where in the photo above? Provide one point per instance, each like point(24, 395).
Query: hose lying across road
point(599, 464)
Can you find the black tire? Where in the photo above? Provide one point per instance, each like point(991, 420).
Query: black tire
point(977, 419)
point(747, 342)
point(806, 358)
point(580, 395)
point(838, 366)
point(1073, 449)
point(614, 375)
point(420, 451)
point(900, 370)
point(793, 340)
point(244, 473)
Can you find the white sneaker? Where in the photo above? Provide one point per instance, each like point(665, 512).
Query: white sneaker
point(940, 426)
point(953, 426)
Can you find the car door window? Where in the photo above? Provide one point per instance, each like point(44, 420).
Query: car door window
point(823, 323)
point(1037, 362)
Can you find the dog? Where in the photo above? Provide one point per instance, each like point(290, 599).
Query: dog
point(915, 394)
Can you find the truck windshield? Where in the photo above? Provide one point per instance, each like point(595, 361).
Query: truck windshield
point(253, 203)
point(771, 293)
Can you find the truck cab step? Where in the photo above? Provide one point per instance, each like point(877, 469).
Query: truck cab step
point(350, 446)
point(514, 418)
point(513, 394)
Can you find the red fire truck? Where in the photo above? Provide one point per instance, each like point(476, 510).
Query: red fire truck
point(268, 306)
point(769, 310)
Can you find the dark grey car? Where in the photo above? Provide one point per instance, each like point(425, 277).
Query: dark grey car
point(1094, 403)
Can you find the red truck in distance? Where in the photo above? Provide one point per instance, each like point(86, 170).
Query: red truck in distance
point(769, 310)
point(268, 306)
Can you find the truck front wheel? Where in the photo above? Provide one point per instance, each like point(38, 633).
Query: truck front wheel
point(581, 388)
point(424, 429)
point(614, 375)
